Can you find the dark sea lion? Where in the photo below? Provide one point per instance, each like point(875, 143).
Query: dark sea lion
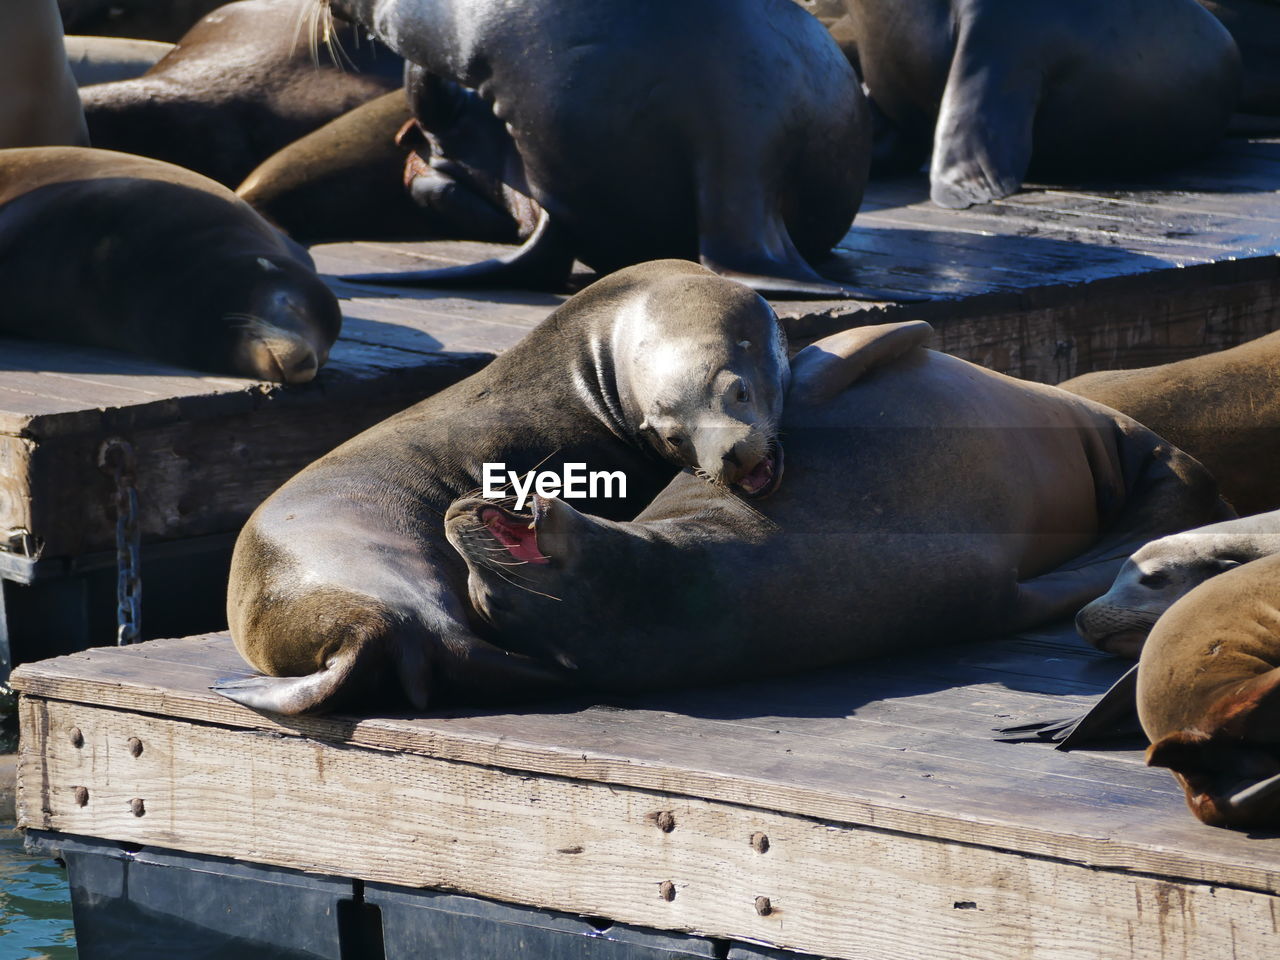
point(1065, 90)
point(242, 83)
point(1167, 569)
point(1222, 408)
point(1255, 26)
point(342, 586)
point(369, 175)
point(110, 59)
point(110, 250)
point(1209, 696)
point(733, 132)
point(39, 105)
point(932, 499)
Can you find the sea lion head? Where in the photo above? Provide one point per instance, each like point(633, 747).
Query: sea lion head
point(276, 318)
point(290, 322)
point(519, 563)
point(1147, 585)
point(701, 366)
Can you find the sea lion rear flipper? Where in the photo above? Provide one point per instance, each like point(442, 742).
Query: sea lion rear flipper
point(742, 238)
point(982, 140)
point(826, 367)
point(543, 262)
point(318, 692)
point(1113, 717)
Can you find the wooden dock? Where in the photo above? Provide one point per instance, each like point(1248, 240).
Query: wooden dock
point(850, 814)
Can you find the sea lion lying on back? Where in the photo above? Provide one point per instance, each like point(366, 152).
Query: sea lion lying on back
point(109, 250)
point(342, 586)
point(1209, 696)
point(931, 498)
point(242, 83)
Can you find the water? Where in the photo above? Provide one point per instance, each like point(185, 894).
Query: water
point(35, 904)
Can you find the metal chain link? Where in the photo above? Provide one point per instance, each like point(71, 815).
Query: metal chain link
point(116, 457)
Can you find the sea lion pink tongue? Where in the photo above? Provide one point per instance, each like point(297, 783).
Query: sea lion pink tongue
point(635, 139)
point(930, 499)
point(244, 82)
point(1069, 90)
point(105, 249)
point(342, 581)
point(1209, 696)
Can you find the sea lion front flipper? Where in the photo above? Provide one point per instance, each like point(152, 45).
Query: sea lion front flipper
point(982, 140)
point(543, 262)
point(1113, 717)
point(826, 367)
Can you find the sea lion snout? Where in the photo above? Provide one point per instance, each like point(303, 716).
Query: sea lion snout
point(286, 334)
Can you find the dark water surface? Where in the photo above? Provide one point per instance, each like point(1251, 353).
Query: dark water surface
point(35, 904)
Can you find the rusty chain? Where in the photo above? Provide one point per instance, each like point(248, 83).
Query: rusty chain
point(116, 457)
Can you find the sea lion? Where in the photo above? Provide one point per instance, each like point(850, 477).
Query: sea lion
point(341, 581)
point(1169, 568)
point(633, 139)
point(39, 105)
point(1255, 27)
point(931, 499)
point(242, 83)
point(1067, 90)
point(1222, 408)
point(109, 59)
point(110, 250)
point(1209, 696)
point(369, 175)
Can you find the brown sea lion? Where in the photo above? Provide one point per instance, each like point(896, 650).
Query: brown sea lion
point(1065, 90)
point(1222, 408)
point(39, 106)
point(342, 586)
point(242, 83)
point(733, 132)
point(111, 250)
point(933, 499)
point(1209, 696)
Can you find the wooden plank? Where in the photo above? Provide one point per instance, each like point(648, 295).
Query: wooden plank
point(731, 746)
point(827, 887)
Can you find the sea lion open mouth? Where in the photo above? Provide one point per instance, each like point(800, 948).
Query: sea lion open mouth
point(765, 477)
point(515, 532)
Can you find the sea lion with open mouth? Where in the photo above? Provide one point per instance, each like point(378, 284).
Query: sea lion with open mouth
point(342, 584)
point(932, 498)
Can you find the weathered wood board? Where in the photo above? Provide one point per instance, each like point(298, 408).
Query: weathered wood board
point(857, 813)
point(1045, 284)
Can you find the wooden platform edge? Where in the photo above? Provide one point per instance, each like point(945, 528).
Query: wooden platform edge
point(638, 856)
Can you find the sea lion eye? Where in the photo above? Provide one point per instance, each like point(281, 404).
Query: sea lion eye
point(675, 440)
point(743, 394)
point(1154, 580)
